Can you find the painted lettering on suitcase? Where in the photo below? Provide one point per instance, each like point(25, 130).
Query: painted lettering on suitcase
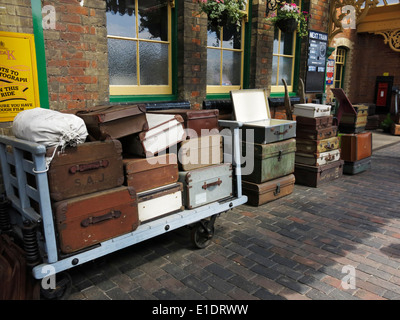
point(90, 180)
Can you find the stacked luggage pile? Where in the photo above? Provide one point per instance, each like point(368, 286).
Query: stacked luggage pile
point(355, 142)
point(135, 167)
point(204, 176)
point(317, 158)
point(269, 144)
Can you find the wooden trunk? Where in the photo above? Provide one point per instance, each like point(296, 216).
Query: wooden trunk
point(271, 160)
point(313, 176)
point(259, 194)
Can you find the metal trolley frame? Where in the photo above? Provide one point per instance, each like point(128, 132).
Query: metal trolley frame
point(23, 162)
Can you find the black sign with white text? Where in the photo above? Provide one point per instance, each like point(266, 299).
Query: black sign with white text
point(316, 61)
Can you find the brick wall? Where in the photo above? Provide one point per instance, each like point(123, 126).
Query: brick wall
point(372, 58)
point(76, 55)
point(192, 53)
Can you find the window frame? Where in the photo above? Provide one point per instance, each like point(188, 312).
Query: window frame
point(127, 92)
point(279, 90)
point(221, 90)
point(341, 63)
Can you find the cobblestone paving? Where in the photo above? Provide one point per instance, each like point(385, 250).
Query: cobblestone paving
point(307, 245)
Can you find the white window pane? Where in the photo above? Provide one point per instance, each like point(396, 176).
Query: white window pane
point(285, 70)
point(122, 62)
point(231, 69)
point(275, 61)
point(213, 67)
point(153, 63)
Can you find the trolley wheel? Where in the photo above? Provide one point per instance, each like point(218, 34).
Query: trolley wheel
point(202, 233)
point(62, 289)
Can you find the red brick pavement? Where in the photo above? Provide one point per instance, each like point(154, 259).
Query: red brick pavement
point(299, 247)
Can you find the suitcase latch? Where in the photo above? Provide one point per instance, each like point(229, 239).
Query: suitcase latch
point(277, 189)
point(280, 155)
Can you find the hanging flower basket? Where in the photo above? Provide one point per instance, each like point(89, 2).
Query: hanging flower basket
point(287, 25)
point(289, 18)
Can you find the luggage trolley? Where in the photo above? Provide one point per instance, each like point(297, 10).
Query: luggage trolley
point(30, 212)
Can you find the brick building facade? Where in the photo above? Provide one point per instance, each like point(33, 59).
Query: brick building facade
point(76, 51)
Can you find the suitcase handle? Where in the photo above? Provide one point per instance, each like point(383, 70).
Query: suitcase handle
point(108, 216)
point(89, 166)
point(278, 133)
point(216, 183)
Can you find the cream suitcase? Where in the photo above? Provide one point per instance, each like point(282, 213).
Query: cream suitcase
point(164, 131)
point(252, 109)
point(317, 159)
point(200, 152)
point(312, 110)
point(205, 185)
point(159, 202)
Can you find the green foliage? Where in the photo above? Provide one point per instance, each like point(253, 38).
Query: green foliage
point(223, 11)
point(292, 11)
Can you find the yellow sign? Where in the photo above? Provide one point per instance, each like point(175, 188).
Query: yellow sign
point(19, 89)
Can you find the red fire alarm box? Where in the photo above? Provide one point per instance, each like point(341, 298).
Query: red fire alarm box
point(383, 93)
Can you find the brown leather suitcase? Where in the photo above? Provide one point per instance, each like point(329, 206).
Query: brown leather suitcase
point(317, 146)
point(16, 281)
point(87, 220)
point(395, 129)
point(197, 122)
point(316, 134)
point(86, 168)
point(306, 123)
point(115, 121)
point(148, 173)
point(312, 176)
point(356, 146)
point(259, 194)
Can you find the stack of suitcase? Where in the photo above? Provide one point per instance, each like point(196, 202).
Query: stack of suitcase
point(355, 142)
point(267, 143)
point(90, 202)
point(204, 176)
point(317, 158)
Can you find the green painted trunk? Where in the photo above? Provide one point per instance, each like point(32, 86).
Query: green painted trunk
point(271, 160)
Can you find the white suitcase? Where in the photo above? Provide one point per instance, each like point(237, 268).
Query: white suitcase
point(164, 131)
point(252, 109)
point(312, 110)
point(159, 202)
point(318, 159)
point(206, 185)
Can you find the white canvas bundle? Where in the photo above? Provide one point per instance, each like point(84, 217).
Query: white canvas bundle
point(49, 128)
